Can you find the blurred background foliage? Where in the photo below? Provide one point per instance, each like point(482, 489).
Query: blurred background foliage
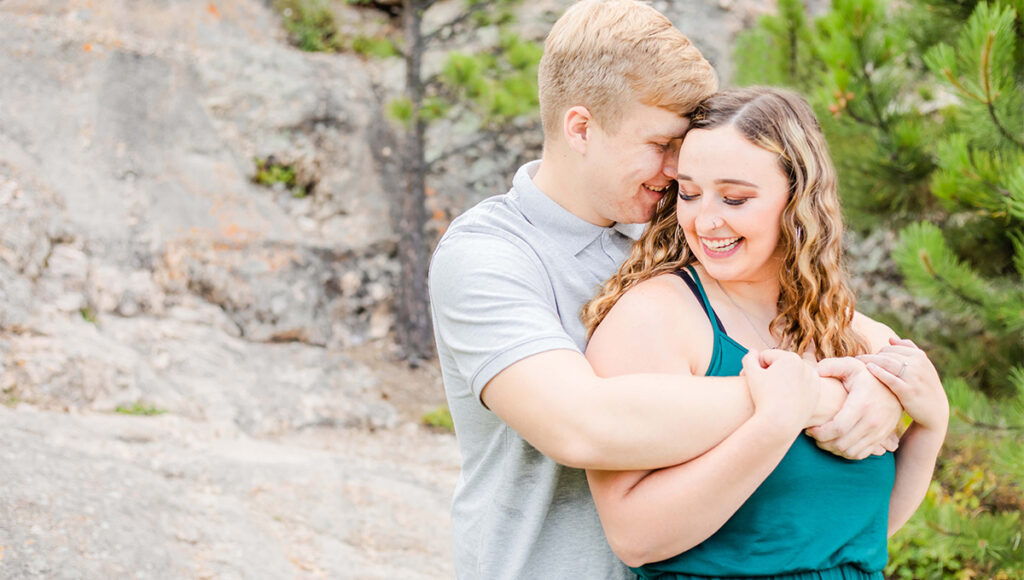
point(923, 105)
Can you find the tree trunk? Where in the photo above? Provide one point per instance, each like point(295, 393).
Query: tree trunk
point(412, 321)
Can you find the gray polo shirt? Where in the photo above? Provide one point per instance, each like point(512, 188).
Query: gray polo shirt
point(507, 281)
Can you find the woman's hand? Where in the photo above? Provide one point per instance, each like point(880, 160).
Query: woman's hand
point(911, 376)
point(783, 386)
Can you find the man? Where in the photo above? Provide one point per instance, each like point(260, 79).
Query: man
point(507, 282)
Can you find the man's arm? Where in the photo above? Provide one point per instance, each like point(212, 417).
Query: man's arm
point(556, 402)
point(496, 319)
point(608, 417)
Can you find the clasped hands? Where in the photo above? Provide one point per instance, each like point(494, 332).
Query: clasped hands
point(879, 387)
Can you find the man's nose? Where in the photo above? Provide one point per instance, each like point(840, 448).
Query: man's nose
point(670, 162)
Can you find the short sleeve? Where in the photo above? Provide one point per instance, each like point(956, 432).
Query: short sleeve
point(493, 305)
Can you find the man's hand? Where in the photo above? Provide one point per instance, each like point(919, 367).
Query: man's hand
point(866, 424)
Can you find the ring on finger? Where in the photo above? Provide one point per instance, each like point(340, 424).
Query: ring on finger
point(899, 375)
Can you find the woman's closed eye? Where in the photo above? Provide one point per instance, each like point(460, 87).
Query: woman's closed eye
point(687, 195)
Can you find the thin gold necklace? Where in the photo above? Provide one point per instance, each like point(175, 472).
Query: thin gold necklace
point(745, 315)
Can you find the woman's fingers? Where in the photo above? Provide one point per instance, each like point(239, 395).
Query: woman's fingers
point(895, 367)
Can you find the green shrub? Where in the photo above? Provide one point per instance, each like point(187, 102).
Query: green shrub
point(440, 418)
point(270, 172)
point(139, 408)
point(310, 24)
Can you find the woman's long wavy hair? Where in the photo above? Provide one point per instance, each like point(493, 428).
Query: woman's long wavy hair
point(815, 307)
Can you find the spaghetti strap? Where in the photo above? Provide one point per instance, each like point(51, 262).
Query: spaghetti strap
point(693, 282)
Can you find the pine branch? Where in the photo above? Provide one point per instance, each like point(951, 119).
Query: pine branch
point(471, 144)
point(960, 86)
point(988, 426)
point(943, 281)
point(862, 120)
point(986, 74)
point(865, 75)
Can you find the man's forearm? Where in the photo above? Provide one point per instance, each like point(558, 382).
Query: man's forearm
point(650, 421)
point(558, 404)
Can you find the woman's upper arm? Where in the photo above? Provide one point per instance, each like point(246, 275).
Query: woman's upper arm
point(656, 327)
point(653, 328)
point(876, 333)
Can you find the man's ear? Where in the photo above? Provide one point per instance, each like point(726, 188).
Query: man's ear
point(577, 124)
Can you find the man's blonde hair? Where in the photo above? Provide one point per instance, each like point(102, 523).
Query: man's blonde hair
point(607, 54)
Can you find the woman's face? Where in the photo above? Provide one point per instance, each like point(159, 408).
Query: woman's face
point(731, 197)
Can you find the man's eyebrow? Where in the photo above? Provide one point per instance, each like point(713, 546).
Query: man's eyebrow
point(665, 136)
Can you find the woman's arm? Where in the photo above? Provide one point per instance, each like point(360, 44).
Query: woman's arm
point(906, 369)
point(652, 515)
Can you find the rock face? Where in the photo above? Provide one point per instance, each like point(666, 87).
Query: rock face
point(143, 272)
point(141, 269)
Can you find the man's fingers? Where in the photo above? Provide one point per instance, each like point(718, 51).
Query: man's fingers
point(895, 340)
point(899, 349)
point(840, 368)
point(823, 433)
point(892, 442)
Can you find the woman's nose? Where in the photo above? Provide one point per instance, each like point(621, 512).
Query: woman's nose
point(708, 221)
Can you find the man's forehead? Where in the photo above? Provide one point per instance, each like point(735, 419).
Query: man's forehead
point(667, 131)
point(664, 124)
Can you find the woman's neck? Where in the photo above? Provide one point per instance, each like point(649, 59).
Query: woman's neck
point(757, 297)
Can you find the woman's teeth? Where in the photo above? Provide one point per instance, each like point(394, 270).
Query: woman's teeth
point(721, 244)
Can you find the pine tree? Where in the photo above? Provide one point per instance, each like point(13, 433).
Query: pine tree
point(923, 106)
point(492, 86)
point(972, 261)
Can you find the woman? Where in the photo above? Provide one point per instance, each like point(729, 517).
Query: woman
point(752, 245)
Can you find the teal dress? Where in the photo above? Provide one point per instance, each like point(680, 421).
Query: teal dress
point(817, 516)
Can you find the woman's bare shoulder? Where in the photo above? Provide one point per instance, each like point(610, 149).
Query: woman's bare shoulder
point(653, 324)
point(876, 333)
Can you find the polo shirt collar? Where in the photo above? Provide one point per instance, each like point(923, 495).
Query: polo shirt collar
point(544, 213)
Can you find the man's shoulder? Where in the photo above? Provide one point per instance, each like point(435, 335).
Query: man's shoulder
point(497, 220)
point(495, 214)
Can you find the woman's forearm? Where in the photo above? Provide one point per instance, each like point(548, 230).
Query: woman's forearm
point(668, 511)
point(915, 462)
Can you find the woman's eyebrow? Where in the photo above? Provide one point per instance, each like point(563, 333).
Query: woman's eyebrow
point(736, 182)
point(683, 177)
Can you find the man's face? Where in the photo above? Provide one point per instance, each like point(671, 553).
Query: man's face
point(631, 169)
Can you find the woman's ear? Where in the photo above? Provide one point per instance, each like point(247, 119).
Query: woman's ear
point(576, 126)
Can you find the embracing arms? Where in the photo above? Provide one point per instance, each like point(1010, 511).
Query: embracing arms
point(558, 404)
point(492, 302)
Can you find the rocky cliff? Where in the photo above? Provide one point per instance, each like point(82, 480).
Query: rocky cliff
point(196, 372)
